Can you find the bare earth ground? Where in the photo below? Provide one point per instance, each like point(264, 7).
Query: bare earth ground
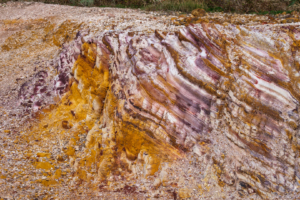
point(31, 36)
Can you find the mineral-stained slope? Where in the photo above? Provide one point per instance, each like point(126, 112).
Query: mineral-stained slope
point(208, 111)
point(153, 98)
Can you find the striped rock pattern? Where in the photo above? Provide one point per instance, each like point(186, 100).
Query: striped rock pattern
point(156, 97)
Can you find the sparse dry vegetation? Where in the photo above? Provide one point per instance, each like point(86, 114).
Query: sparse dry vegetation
point(236, 6)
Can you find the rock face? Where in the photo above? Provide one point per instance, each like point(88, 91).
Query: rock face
point(156, 97)
point(210, 110)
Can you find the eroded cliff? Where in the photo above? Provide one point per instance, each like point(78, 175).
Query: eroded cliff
point(209, 110)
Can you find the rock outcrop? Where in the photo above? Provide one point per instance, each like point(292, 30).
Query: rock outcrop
point(208, 109)
point(156, 97)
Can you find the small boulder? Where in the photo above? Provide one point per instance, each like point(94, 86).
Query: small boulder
point(66, 125)
point(198, 12)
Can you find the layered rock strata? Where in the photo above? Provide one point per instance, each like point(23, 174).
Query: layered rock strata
point(228, 94)
point(203, 111)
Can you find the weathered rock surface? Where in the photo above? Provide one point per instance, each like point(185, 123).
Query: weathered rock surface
point(209, 110)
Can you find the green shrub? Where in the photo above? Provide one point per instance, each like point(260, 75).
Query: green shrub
point(87, 2)
point(249, 6)
point(176, 5)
